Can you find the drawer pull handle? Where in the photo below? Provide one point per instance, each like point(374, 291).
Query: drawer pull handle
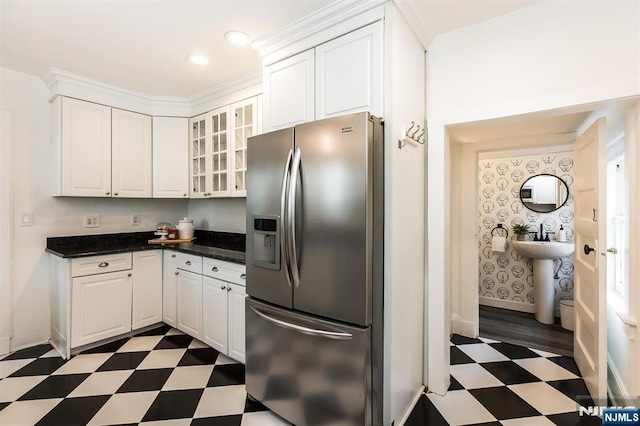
point(188, 263)
point(214, 269)
point(222, 288)
point(243, 276)
point(103, 264)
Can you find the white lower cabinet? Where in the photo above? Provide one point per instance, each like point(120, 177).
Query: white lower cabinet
point(214, 313)
point(189, 303)
point(204, 298)
point(100, 307)
point(126, 296)
point(147, 289)
point(169, 277)
point(235, 322)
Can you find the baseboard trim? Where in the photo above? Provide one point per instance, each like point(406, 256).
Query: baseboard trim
point(463, 327)
point(507, 304)
point(409, 409)
point(616, 389)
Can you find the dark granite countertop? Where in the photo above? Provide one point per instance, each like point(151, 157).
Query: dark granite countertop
point(217, 245)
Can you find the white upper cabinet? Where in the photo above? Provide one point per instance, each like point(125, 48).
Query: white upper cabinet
point(341, 76)
point(170, 157)
point(210, 154)
point(289, 91)
point(244, 124)
point(349, 73)
point(131, 154)
point(82, 148)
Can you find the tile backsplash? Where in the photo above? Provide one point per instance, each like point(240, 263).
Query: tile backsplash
point(508, 276)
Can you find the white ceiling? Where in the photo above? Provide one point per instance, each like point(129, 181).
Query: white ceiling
point(142, 45)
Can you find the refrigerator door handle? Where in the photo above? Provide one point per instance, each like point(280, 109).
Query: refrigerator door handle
point(302, 329)
point(283, 218)
point(291, 217)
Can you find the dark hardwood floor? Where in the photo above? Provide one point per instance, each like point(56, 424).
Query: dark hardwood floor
point(521, 328)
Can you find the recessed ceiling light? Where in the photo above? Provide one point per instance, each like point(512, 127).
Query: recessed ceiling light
point(237, 37)
point(198, 59)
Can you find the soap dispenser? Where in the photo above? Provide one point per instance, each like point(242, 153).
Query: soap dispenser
point(562, 235)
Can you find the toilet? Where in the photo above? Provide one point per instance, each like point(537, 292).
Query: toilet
point(566, 314)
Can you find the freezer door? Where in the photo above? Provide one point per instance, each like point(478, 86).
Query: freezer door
point(268, 159)
point(334, 218)
point(309, 371)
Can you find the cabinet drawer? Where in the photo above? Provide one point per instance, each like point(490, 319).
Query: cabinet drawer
point(100, 264)
point(189, 262)
point(226, 271)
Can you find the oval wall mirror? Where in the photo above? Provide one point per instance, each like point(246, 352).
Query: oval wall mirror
point(544, 193)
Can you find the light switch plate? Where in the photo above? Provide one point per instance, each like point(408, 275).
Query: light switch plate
point(26, 219)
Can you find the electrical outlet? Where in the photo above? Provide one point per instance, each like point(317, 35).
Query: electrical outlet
point(135, 220)
point(91, 221)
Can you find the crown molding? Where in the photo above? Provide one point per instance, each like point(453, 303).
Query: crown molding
point(409, 11)
point(324, 19)
point(242, 87)
point(64, 83)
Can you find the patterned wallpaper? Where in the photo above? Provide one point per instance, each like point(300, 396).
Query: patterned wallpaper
point(507, 275)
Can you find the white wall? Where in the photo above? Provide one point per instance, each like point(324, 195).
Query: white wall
point(27, 97)
point(547, 56)
point(404, 218)
point(221, 214)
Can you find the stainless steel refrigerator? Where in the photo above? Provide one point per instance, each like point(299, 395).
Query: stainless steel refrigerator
point(314, 271)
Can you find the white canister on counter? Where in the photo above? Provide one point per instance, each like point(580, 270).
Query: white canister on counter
point(185, 228)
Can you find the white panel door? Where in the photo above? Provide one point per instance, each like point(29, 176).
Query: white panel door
point(170, 157)
point(100, 306)
point(235, 307)
point(131, 154)
point(147, 288)
point(214, 313)
point(289, 91)
point(189, 303)
point(349, 73)
point(86, 149)
point(169, 277)
point(590, 339)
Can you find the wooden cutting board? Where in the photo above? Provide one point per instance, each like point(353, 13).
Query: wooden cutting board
point(168, 241)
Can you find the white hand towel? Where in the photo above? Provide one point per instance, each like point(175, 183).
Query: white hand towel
point(498, 244)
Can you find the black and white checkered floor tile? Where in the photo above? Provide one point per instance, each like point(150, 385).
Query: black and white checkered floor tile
point(161, 377)
point(494, 383)
point(164, 377)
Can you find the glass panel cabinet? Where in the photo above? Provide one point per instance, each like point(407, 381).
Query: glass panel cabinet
point(219, 149)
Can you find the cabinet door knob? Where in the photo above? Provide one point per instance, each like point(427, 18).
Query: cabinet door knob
point(173, 255)
point(222, 288)
point(188, 263)
point(176, 272)
point(103, 264)
point(129, 274)
point(228, 288)
point(184, 194)
point(214, 269)
point(243, 276)
point(107, 193)
point(115, 193)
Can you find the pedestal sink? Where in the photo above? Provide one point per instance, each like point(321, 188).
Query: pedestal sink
point(543, 253)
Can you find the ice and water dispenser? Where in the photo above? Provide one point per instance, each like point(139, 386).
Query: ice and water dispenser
point(266, 241)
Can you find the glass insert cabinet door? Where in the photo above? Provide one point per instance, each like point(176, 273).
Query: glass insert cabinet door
point(198, 149)
point(244, 124)
point(220, 152)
